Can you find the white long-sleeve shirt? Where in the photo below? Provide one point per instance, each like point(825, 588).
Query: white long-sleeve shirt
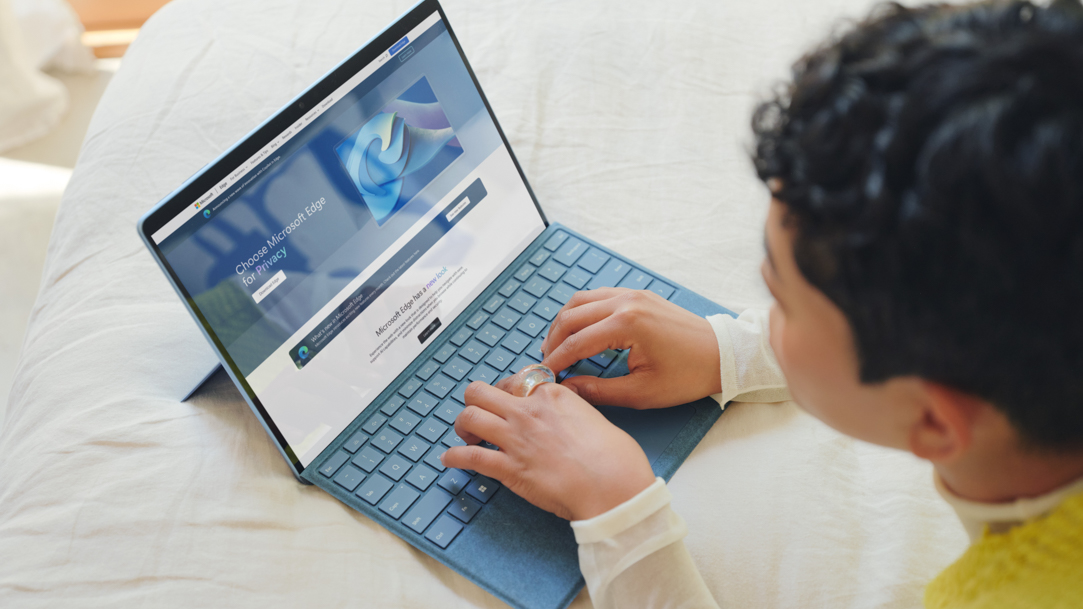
point(634, 555)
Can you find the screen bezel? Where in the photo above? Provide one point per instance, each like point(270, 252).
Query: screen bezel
point(220, 168)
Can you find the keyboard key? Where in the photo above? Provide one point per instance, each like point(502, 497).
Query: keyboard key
point(662, 289)
point(464, 508)
point(457, 368)
point(584, 368)
point(395, 467)
point(386, 441)
point(484, 374)
point(493, 304)
point(445, 353)
point(535, 352)
point(426, 510)
point(524, 272)
point(482, 488)
point(409, 387)
point(593, 260)
point(414, 448)
point(537, 287)
point(427, 370)
point(506, 319)
point(552, 270)
point(521, 303)
point(500, 359)
point(368, 459)
point(490, 335)
point(349, 478)
point(474, 351)
point(331, 465)
point(405, 422)
point(522, 362)
point(604, 358)
point(422, 477)
point(399, 501)
point(374, 489)
point(444, 531)
point(561, 293)
point(452, 439)
point(431, 430)
point(374, 424)
point(538, 258)
point(531, 325)
point(460, 392)
point(554, 242)
point(570, 252)
point(454, 480)
point(423, 403)
point(546, 309)
point(509, 288)
point(448, 411)
point(636, 280)
point(439, 386)
point(461, 337)
point(479, 318)
point(610, 275)
point(577, 278)
point(432, 459)
point(356, 441)
point(516, 342)
point(392, 406)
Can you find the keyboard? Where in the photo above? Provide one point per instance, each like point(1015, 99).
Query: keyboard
point(392, 462)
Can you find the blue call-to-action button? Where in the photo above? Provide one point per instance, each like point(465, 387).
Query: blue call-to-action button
point(395, 48)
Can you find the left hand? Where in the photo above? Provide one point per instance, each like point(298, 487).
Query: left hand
point(556, 450)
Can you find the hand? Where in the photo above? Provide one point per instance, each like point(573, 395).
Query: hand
point(556, 451)
point(674, 353)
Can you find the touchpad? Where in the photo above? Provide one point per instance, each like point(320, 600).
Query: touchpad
point(653, 429)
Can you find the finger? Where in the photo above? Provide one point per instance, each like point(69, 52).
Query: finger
point(579, 299)
point(475, 424)
point(489, 398)
point(568, 322)
point(592, 340)
point(487, 462)
point(620, 391)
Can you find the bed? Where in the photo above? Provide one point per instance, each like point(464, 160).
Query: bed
point(630, 120)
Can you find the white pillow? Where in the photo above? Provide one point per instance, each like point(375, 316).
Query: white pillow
point(31, 103)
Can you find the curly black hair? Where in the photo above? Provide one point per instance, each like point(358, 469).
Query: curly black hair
point(930, 160)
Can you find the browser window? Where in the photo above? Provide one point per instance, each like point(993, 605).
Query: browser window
point(328, 261)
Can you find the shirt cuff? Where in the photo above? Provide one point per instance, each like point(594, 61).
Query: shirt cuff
point(624, 516)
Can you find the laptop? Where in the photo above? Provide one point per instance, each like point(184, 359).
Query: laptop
point(366, 253)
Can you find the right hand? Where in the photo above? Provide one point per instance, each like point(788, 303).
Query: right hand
point(674, 353)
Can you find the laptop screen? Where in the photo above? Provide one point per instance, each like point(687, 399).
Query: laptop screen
point(331, 258)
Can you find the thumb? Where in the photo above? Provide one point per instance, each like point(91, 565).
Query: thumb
point(619, 391)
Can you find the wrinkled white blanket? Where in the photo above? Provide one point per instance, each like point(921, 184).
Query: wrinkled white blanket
point(630, 120)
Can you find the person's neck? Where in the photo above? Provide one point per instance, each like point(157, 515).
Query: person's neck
point(1009, 476)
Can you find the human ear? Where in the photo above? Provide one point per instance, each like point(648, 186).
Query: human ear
point(943, 430)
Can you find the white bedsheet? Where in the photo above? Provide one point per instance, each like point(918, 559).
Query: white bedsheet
point(630, 120)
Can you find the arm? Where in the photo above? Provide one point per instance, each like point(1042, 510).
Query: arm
point(634, 556)
point(750, 372)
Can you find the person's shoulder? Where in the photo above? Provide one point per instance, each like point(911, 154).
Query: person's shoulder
point(1038, 565)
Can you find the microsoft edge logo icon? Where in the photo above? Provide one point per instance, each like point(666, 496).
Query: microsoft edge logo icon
point(206, 213)
point(303, 352)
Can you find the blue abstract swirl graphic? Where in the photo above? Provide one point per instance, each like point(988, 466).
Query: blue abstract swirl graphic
point(400, 141)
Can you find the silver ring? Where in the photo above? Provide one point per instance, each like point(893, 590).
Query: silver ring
point(534, 375)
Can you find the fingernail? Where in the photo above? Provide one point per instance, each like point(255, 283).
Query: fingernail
point(442, 456)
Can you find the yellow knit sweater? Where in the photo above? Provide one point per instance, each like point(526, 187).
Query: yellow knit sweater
point(1037, 565)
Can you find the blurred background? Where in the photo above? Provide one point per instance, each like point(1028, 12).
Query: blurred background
point(56, 57)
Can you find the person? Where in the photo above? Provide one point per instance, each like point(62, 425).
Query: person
point(924, 247)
